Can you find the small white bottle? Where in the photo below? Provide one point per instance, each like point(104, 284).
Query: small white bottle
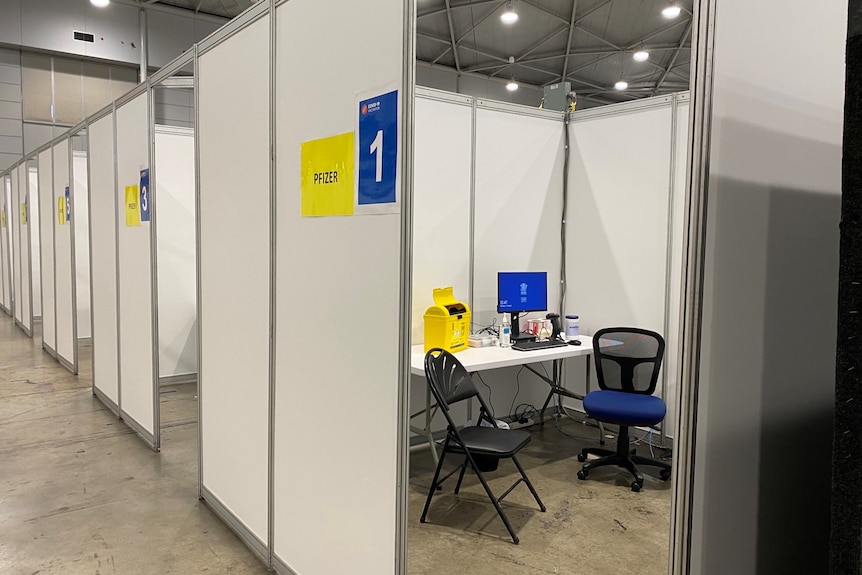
point(506, 331)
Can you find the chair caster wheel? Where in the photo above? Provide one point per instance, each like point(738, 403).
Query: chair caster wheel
point(636, 486)
point(582, 457)
point(664, 474)
point(582, 474)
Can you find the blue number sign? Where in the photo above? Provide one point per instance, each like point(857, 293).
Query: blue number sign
point(145, 195)
point(68, 206)
point(378, 149)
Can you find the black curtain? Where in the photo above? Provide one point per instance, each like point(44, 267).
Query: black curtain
point(846, 540)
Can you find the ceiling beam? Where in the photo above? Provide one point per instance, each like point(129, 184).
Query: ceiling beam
point(572, 24)
point(550, 13)
point(467, 4)
point(682, 41)
point(535, 46)
point(452, 37)
point(652, 35)
point(469, 30)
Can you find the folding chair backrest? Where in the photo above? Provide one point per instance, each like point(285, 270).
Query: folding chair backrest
point(628, 359)
point(447, 378)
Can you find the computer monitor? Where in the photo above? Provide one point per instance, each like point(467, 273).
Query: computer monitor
point(521, 292)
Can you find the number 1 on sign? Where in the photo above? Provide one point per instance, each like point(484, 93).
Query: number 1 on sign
point(377, 148)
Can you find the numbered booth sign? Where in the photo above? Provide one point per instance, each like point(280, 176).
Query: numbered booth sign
point(145, 195)
point(378, 150)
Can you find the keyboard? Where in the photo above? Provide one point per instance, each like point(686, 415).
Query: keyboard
point(534, 345)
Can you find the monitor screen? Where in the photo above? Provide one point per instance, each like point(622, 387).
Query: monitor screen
point(522, 291)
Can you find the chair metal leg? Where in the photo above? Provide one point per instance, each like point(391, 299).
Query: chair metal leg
point(529, 483)
point(493, 500)
point(433, 487)
point(461, 476)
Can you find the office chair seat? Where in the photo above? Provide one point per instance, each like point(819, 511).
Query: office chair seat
point(494, 441)
point(621, 408)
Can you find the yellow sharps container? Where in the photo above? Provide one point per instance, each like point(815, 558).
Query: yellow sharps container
point(447, 322)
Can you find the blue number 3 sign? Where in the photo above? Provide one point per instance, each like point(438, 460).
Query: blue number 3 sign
point(145, 195)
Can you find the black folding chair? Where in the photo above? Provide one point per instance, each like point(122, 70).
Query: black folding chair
point(482, 446)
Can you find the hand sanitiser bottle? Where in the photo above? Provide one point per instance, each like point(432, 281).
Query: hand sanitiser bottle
point(506, 331)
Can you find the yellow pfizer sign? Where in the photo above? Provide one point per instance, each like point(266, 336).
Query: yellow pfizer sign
point(61, 210)
point(133, 209)
point(327, 176)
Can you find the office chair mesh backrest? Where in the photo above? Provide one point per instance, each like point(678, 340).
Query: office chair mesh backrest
point(628, 359)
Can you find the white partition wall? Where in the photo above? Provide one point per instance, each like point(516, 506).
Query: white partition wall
point(81, 221)
point(26, 279)
point(619, 229)
point(5, 248)
point(104, 208)
point(348, 270)
point(177, 277)
point(234, 258)
point(64, 261)
point(139, 403)
point(35, 251)
point(18, 262)
point(46, 246)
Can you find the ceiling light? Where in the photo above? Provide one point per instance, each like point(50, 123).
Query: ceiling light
point(512, 85)
point(509, 16)
point(641, 55)
point(671, 11)
point(621, 85)
point(100, 3)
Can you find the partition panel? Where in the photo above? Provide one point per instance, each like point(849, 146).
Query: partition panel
point(619, 182)
point(24, 249)
point(177, 278)
point(35, 251)
point(519, 181)
point(16, 244)
point(64, 265)
point(103, 233)
point(134, 288)
point(46, 245)
point(81, 221)
point(234, 262)
point(5, 249)
point(346, 269)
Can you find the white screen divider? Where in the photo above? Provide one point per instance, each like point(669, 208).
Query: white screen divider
point(35, 252)
point(26, 279)
point(81, 221)
point(5, 250)
point(64, 268)
point(347, 269)
point(16, 246)
point(103, 207)
point(46, 244)
point(174, 181)
point(233, 198)
point(134, 264)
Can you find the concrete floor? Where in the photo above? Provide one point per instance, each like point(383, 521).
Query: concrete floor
point(80, 493)
point(596, 527)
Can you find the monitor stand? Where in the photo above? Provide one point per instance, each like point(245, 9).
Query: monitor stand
point(517, 334)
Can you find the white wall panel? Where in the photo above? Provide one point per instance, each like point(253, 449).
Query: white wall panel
point(175, 203)
point(234, 267)
point(63, 258)
point(81, 221)
point(772, 260)
point(46, 244)
point(103, 233)
point(5, 248)
point(134, 290)
point(618, 219)
point(24, 247)
point(16, 243)
point(35, 252)
point(442, 174)
point(324, 264)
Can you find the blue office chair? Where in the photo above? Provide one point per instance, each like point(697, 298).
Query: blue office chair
point(627, 365)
